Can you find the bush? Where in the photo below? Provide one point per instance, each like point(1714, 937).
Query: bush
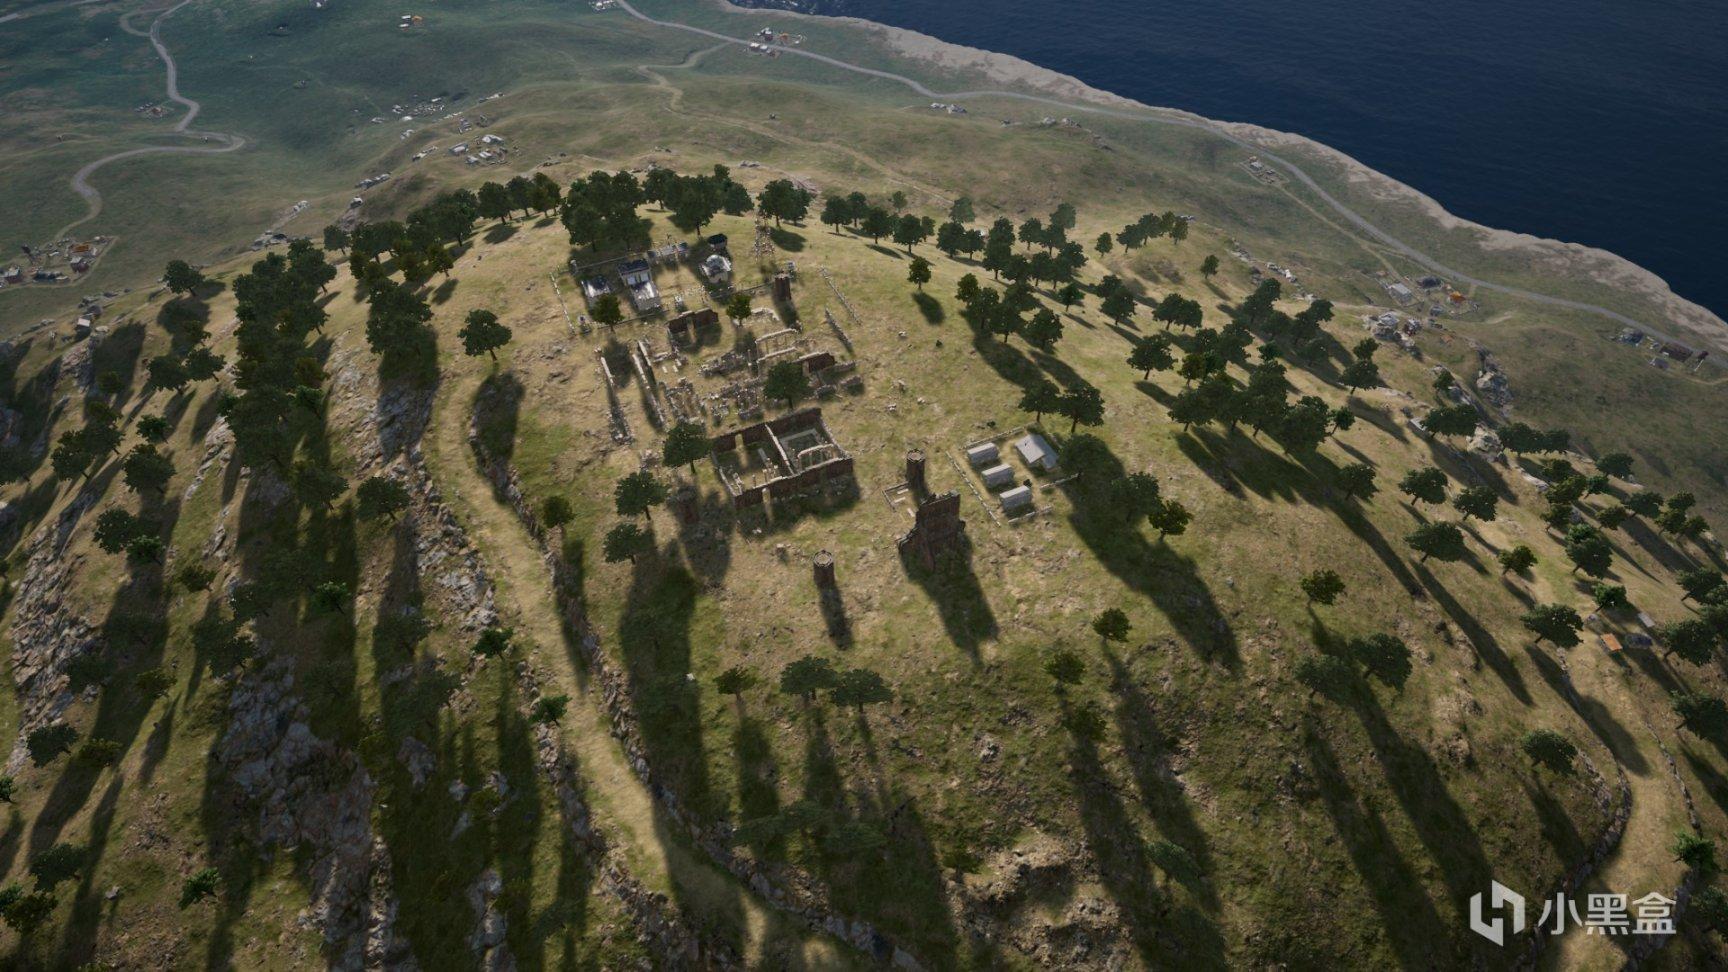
point(200, 886)
point(47, 743)
point(550, 708)
point(97, 753)
point(1549, 748)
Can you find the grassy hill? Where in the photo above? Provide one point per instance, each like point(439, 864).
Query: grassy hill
point(368, 787)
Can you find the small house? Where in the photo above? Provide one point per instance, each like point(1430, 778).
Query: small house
point(984, 454)
point(1401, 293)
point(595, 287)
point(1610, 642)
point(1647, 621)
point(717, 268)
point(1018, 498)
point(998, 476)
point(639, 279)
point(1036, 452)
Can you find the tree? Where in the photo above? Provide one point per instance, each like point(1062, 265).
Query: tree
point(1553, 622)
point(1170, 518)
point(1589, 550)
point(1545, 747)
point(607, 311)
point(1323, 674)
point(61, 862)
point(1135, 494)
point(1694, 850)
point(787, 382)
point(1424, 485)
point(1476, 501)
point(48, 742)
point(556, 511)
point(1360, 374)
point(1209, 266)
point(153, 683)
point(1616, 464)
point(115, 528)
point(626, 541)
point(96, 753)
point(1384, 656)
point(909, 231)
point(181, 278)
point(1610, 597)
point(482, 334)
point(493, 641)
point(918, 272)
point(199, 886)
point(1516, 560)
point(147, 469)
point(1119, 306)
point(784, 199)
point(1040, 397)
point(1104, 243)
point(1442, 540)
point(686, 443)
point(738, 307)
point(1044, 329)
point(335, 237)
point(145, 549)
point(1082, 405)
point(1322, 586)
point(1111, 624)
point(1700, 714)
point(1357, 480)
point(314, 485)
point(967, 289)
point(962, 210)
point(166, 372)
point(638, 493)
point(1709, 910)
point(1613, 517)
point(1453, 420)
point(8, 789)
point(807, 676)
point(332, 597)
point(1065, 667)
point(877, 223)
point(1699, 582)
point(549, 709)
point(1152, 353)
point(381, 496)
point(859, 687)
point(1692, 639)
point(1069, 295)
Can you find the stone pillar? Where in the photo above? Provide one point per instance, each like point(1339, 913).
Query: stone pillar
point(782, 289)
point(684, 503)
point(915, 470)
point(824, 565)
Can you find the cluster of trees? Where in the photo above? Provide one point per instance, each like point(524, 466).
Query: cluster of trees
point(1136, 496)
point(634, 495)
point(1056, 259)
point(1300, 333)
point(1080, 405)
point(694, 201)
point(1382, 656)
point(599, 211)
point(784, 199)
point(501, 200)
point(1004, 312)
point(1145, 229)
point(419, 247)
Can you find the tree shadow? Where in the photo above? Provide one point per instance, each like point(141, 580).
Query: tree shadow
point(444, 291)
point(1482, 641)
point(929, 307)
point(1407, 914)
point(498, 233)
point(787, 240)
point(496, 409)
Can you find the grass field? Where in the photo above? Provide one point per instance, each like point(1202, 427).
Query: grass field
point(1344, 831)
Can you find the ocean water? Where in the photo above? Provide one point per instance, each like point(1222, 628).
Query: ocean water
point(1602, 122)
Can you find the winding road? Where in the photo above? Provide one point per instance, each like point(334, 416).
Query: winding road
point(226, 142)
point(1356, 219)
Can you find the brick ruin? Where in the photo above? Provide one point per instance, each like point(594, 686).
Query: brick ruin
point(792, 455)
point(937, 530)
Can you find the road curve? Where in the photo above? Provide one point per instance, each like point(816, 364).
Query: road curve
point(226, 143)
point(1356, 219)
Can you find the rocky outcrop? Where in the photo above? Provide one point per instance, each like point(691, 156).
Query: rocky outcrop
point(46, 632)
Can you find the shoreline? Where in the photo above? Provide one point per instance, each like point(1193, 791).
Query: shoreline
point(1698, 323)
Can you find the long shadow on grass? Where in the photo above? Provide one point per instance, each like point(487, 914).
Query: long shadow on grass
point(1154, 570)
point(896, 883)
point(1164, 934)
point(953, 586)
point(1407, 914)
point(1482, 641)
point(1148, 750)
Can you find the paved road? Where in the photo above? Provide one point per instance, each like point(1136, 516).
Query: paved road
point(1356, 219)
point(225, 142)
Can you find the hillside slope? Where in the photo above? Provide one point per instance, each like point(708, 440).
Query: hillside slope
point(1235, 779)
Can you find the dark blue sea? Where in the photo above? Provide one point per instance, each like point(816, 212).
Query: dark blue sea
point(1603, 122)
